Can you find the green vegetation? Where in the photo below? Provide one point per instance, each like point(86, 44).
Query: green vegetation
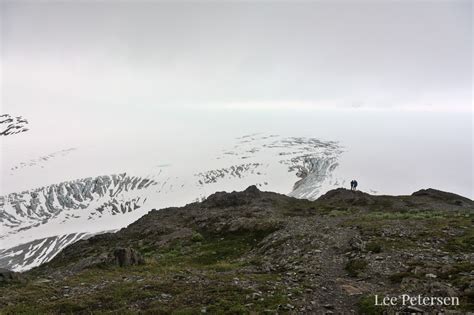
point(461, 243)
point(366, 306)
point(397, 278)
point(355, 266)
point(404, 215)
point(299, 207)
point(423, 226)
point(374, 247)
point(338, 213)
point(197, 237)
point(163, 285)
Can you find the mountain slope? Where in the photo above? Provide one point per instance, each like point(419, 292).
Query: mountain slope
point(10, 125)
point(36, 252)
point(256, 251)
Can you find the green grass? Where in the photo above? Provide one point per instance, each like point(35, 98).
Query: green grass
point(462, 243)
point(212, 249)
point(404, 215)
point(374, 247)
point(423, 225)
point(296, 207)
point(366, 306)
point(338, 213)
point(215, 260)
point(397, 278)
point(354, 267)
point(197, 237)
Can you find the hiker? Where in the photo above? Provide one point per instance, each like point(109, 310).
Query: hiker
point(353, 184)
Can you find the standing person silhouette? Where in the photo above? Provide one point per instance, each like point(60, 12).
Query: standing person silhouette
point(352, 184)
point(355, 184)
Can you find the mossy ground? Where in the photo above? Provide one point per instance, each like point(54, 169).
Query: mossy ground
point(450, 233)
point(423, 226)
point(181, 279)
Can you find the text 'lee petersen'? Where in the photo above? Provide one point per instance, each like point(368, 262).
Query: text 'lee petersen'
point(406, 299)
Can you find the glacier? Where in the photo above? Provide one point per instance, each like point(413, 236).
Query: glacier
point(38, 223)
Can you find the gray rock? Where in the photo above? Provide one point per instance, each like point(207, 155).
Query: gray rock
point(7, 276)
point(127, 257)
point(357, 244)
point(414, 309)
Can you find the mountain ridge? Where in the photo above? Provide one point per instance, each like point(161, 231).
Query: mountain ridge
point(254, 251)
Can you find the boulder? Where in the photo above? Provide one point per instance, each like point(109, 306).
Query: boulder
point(233, 199)
point(351, 290)
point(357, 243)
point(128, 257)
point(8, 276)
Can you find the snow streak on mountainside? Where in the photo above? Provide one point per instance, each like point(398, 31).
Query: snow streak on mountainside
point(34, 253)
point(300, 167)
point(10, 125)
point(42, 159)
point(102, 195)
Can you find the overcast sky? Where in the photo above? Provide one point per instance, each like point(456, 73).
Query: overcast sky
point(127, 80)
point(80, 56)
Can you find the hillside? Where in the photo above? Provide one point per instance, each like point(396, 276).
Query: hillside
point(262, 252)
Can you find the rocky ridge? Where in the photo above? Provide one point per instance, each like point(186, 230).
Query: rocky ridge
point(263, 252)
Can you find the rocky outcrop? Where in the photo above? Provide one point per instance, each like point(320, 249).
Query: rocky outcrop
point(125, 257)
point(233, 199)
point(442, 196)
point(7, 276)
point(347, 197)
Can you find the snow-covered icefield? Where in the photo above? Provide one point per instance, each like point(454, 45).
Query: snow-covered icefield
point(382, 149)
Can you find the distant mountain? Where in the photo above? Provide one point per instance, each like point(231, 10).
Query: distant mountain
point(71, 210)
point(10, 125)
